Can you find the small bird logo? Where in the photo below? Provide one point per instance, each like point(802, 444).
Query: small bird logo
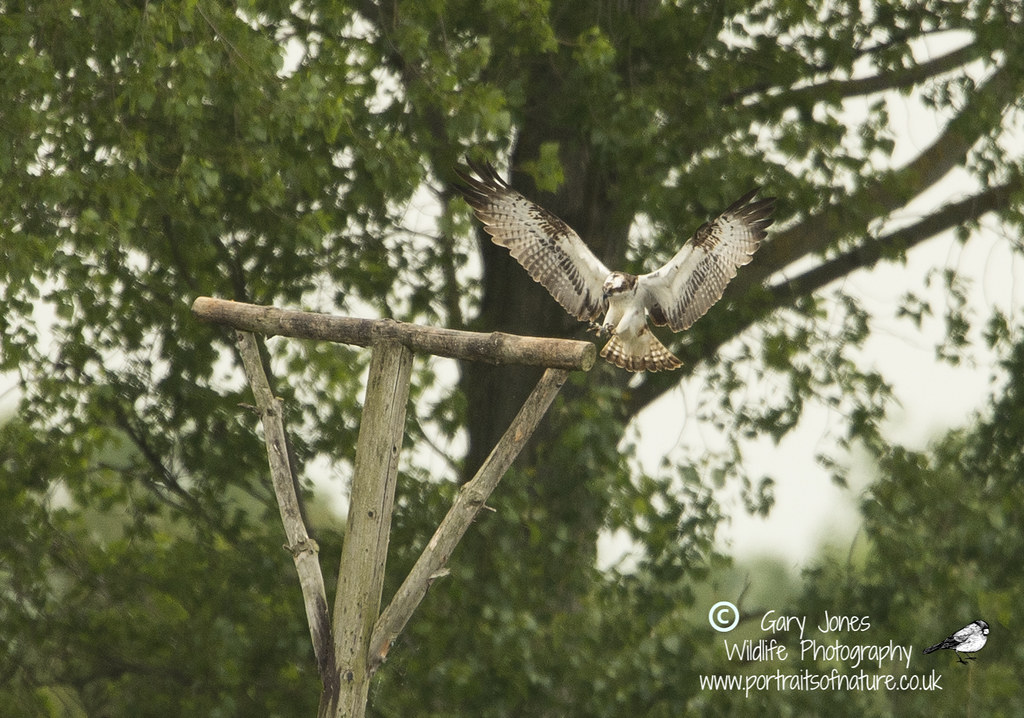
point(969, 639)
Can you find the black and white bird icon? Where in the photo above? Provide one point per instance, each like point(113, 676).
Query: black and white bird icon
point(969, 639)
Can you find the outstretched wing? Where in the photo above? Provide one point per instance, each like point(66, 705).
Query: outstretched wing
point(549, 250)
point(679, 293)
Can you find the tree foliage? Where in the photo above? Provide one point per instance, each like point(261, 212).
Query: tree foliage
point(300, 154)
point(941, 536)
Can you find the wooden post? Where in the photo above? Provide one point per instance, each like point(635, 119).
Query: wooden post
point(363, 555)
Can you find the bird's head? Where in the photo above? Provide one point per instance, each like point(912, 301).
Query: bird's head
point(618, 283)
point(983, 626)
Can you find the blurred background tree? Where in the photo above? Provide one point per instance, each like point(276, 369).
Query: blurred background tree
point(300, 155)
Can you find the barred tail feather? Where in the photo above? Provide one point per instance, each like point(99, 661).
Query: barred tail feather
point(642, 353)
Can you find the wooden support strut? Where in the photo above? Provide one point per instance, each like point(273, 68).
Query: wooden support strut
point(472, 497)
point(303, 548)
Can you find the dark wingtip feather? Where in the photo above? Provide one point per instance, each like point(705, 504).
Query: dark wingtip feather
point(757, 213)
point(485, 175)
point(478, 181)
point(743, 200)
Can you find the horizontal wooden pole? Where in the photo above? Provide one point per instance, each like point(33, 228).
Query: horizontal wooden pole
point(491, 348)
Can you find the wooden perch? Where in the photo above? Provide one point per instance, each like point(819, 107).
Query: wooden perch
point(350, 649)
point(492, 348)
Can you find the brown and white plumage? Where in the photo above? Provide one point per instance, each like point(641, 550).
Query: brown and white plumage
point(682, 291)
point(677, 294)
point(548, 248)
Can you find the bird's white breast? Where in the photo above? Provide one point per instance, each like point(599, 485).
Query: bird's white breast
point(972, 644)
point(626, 314)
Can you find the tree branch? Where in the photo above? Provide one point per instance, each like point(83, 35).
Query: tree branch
point(876, 198)
point(891, 190)
point(874, 249)
point(908, 77)
point(867, 254)
point(856, 87)
point(168, 481)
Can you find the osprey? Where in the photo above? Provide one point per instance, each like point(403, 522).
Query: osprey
point(677, 294)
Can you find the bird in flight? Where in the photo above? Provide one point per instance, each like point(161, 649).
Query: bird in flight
point(677, 294)
point(969, 639)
